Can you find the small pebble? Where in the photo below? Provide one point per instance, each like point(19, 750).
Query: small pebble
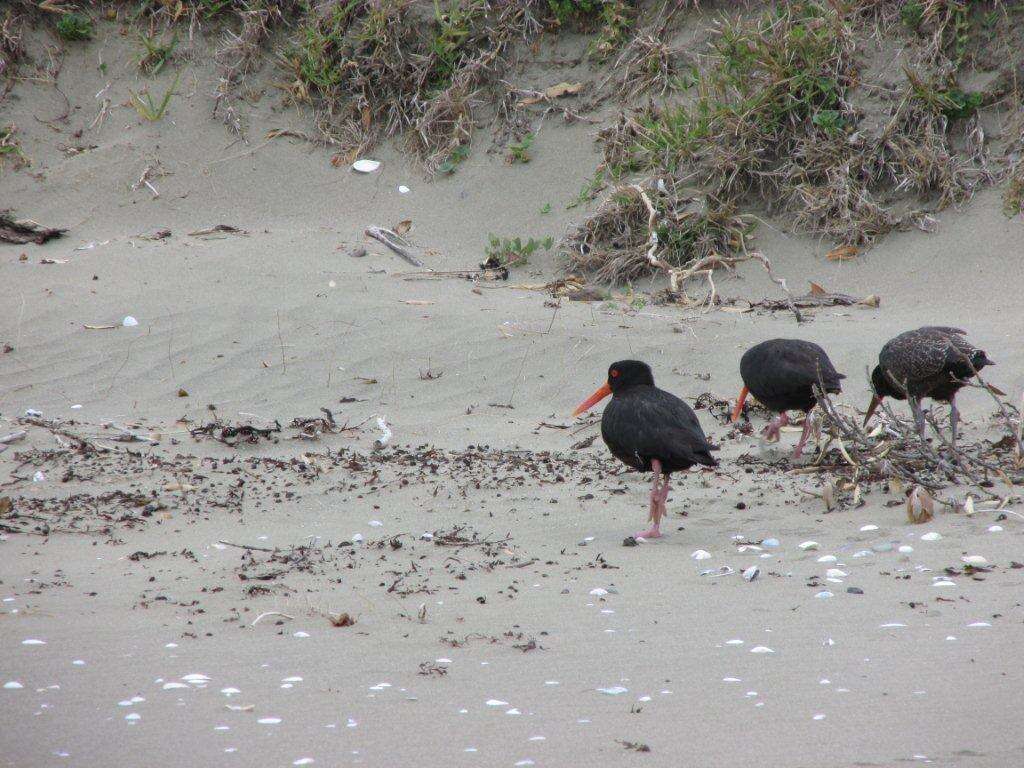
point(906, 549)
point(855, 590)
point(931, 536)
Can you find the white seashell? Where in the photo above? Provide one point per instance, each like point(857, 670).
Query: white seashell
point(365, 165)
point(13, 685)
point(869, 527)
point(827, 559)
point(33, 641)
point(375, 523)
point(808, 545)
point(863, 553)
point(819, 717)
point(304, 761)
point(229, 691)
point(129, 321)
point(195, 678)
point(970, 560)
point(427, 536)
point(599, 592)
point(943, 583)
point(751, 573)
point(906, 549)
point(731, 680)
point(76, 407)
point(133, 716)
point(39, 477)
point(300, 634)
point(931, 536)
point(892, 625)
point(835, 573)
point(979, 624)
point(496, 703)
point(173, 686)
point(403, 190)
point(701, 554)
point(770, 543)
point(32, 413)
point(269, 720)
point(995, 528)
point(615, 690)
point(734, 641)
point(761, 649)
point(824, 595)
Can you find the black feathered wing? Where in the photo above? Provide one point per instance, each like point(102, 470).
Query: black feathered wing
point(645, 423)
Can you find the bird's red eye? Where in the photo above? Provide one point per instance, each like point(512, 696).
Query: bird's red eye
point(614, 373)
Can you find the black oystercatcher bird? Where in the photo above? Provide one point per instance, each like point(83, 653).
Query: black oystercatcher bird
point(649, 430)
point(781, 374)
point(933, 361)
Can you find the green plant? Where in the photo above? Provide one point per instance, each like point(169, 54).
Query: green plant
point(453, 160)
point(912, 14)
point(831, 121)
point(514, 252)
point(74, 26)
point(545, 209)
point(588, 191)
point(452, 33)
point(156, 52)
point(149, 109)
point(519, 151)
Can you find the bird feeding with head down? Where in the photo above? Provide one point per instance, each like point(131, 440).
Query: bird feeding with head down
point(782, 374)
point(932, 361)
point(649, 430)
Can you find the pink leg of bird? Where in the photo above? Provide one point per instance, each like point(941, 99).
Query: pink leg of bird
point(656, 508)
point(808, 426)
point(771, 432)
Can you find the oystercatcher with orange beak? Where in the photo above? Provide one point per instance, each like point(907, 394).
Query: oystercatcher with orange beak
point(649, 430)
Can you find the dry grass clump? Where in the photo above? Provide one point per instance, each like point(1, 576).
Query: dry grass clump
point(776, 119)
point(638, 231)
point(379, 69)
point(12, 50)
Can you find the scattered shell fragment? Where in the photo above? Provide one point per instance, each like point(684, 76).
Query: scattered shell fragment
point(931, 536)
point(906, 549)
point(995, 528)
point(614, 690)
point(599, 592)
point(808, 545)
point(129, 322)
point(403, 190)
point(365, 165)
point(835, 573)
point(751, 573)
point(770, 543)
point(869, 527)
point(761, 649)
point(974, 560)
point(824, 595)
point(701, 554)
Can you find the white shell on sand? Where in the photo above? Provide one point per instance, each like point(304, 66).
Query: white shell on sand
point(906, 549)
point(869, 527)
point(761, 649)
point(701, 554)
point(835, 573)
point(808, 545)
point(365, 165)
point(931, 536)
point(827, 559)
point(751, 573)
point(974, 560)
point(129, 322)
point(403, 190)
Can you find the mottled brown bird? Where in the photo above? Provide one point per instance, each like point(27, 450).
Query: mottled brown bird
point(933, 361)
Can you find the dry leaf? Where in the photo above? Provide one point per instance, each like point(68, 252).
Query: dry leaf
point(53, 261)
point(340, 619)
point(554, 92)
point(402, 227)
point(6, 505)
point(179, 487)
point(842, 253)
point(367, 118)
point(920, 506)
point(182, 393)
point(828, 495)
point(817, 290)
point(870, 301)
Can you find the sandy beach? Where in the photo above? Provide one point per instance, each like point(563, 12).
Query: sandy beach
point(175, 600)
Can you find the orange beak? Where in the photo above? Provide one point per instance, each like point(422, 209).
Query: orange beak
point(739, 404)
point(600, 394)
point(875, 400)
